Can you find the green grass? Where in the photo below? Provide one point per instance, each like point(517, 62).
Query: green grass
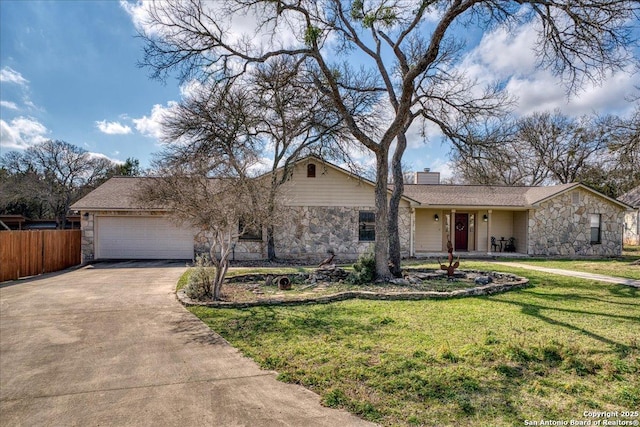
point(615, 267)
point(546, 352)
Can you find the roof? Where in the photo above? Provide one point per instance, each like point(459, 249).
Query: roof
point(489, 195)
point(117, 193)
point(631, 198)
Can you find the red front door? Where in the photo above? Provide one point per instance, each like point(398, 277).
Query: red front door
point(461, 226)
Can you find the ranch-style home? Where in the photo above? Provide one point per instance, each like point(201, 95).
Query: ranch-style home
point(330, 208)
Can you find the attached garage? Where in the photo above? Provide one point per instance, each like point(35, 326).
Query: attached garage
point(141, 237)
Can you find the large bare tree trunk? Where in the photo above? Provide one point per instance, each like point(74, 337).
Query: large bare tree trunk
point(271, 244)
point(395, 258)
point(382, 217)
point(221, 264)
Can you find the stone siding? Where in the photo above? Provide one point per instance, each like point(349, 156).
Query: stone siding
point(632, 228)
point(561, 226)
point(88, 235)
point(313, 230)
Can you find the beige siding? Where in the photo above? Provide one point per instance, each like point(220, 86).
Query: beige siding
point(330, 187)
point(502, 224)
point(481, 231)
point(520, 221)
point(428, 232)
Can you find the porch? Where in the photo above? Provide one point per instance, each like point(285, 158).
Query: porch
point(473, 232)
point(469, 255)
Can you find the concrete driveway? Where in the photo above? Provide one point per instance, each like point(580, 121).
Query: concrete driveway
point(109, 345)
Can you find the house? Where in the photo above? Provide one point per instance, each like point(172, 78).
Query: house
point(330, 208)
point(632, 218)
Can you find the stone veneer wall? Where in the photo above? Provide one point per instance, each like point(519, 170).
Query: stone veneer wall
point(312, 230)
point(308, 234)
point(632, 228)
point(560, 227)
point(88, 250)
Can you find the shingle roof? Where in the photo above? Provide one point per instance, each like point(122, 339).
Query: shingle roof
point(117, 193)
point(481, 195)
point(632, 198)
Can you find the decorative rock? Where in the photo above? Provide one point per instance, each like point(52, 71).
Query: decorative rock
point(483, 280)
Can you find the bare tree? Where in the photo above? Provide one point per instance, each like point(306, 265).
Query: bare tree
point(295, 120)
point(204, 172)
point(221, 209)
point(552, 148)
point(55, 174)
point(408, 69)
point(499, 157)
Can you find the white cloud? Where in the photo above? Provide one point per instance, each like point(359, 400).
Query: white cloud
point(9, 75)
point(509, 56)
point(151, 126)
point(22, 133)
point(444, 167)
point(8, 104)
point(96, 155)
point(113, 128)
point(240, 28)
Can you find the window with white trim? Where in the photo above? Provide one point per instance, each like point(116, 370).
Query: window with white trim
point(366, 226)
point(595, 220)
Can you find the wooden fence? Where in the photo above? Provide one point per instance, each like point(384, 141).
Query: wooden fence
point(29, 253)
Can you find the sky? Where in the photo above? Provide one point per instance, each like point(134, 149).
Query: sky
point(68, 71)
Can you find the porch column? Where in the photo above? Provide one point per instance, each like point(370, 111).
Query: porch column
point(489, 231)
point(452, 228)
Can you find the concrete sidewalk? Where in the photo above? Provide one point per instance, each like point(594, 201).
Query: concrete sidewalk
point(109, 345)
point(572, 273)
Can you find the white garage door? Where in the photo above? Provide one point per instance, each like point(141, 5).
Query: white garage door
point(141, 238)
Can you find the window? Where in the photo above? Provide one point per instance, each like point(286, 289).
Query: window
point(249, 232)
point(311, 170)
point(575, 198)
point(367, 226)
point(595, 228)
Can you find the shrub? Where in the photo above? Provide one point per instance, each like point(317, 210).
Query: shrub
point(364, 270)
point(201, 279)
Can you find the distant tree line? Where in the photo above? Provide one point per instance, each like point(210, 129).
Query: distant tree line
point(44, 180)
point(547, 148)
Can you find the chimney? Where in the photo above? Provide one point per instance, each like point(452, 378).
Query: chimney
point(427, 177)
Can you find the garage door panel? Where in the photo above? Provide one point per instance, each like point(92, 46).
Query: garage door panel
point(142, 238)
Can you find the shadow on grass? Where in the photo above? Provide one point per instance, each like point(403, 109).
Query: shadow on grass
point(625, 292)
point(577, 297)
point(536, 310)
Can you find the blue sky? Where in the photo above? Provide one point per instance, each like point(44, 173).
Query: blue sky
point(68, 71)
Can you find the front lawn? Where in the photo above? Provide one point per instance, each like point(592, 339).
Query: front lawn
point(548, 352)
point(610, 267)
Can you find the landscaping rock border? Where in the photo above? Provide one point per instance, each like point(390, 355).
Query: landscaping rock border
point(489, 289)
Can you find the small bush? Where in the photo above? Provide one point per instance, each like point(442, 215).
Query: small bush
point(201, 279)
point(364, 270)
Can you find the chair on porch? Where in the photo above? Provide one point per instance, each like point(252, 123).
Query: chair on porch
point(511, 245)
point(494, 245)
